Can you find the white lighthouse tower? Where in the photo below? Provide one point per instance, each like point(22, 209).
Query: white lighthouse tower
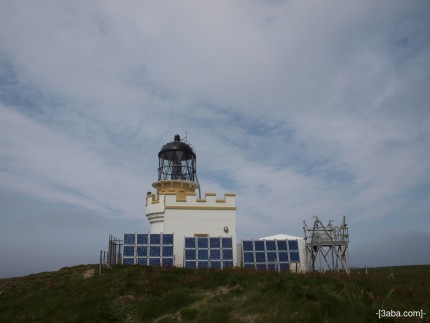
point(204, 229)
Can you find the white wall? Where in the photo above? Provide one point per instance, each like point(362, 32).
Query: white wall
point(193, 216)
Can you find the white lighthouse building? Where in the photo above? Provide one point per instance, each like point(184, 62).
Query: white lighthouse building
point(193, 231)
point(176, 208)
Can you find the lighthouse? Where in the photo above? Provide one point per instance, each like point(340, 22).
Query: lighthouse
point(191, 231)
point(203, 228)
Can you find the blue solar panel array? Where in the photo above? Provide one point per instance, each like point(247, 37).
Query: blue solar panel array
point(208, 252)
point(270, 254)
point(148, 249)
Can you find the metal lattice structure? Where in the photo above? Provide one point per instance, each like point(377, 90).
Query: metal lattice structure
point(113, 256)
point(327, 246)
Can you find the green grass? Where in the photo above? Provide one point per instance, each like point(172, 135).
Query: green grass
point(146, 294)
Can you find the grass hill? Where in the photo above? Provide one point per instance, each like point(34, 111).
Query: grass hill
point(147, 294)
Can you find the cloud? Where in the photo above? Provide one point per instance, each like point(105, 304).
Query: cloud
point(302, 108)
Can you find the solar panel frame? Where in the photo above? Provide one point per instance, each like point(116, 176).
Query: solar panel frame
point(208, 251)
point(144, 249)
point(270, 254)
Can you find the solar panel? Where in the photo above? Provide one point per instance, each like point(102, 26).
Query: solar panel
point(128, 261)
point(142, 261)
point(154, 251)
point(154, 262)
point(227, 254)
point(142, 238)
point(283, 256)
point(293, 245)
point(271, 245)
point(259, 245)
point(214, 243)
point(215, 254)
point(167, 262)
point(271, 257)
point(148, 249)
point(203, 264)
point(284, 267)
point(215, 264)
point(167, 251)
point(226, 242)
point(190, 264)
point(129, 238)
point(282, 244)
point(260, 266)
point(167, 239)
point(202, 242)
point(269, 254)
point(227, 264)
point(248, 246)
point(294, 256)
point(248, 257)
point(271, 267)
point(190, 254)
point(128, 251)
point(260, 257)
point(142, 251)
point(154, 238)
point(190, 242)
point(203, 254)
point(208, 252)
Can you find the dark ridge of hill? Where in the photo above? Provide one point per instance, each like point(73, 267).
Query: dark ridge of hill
point(147, 294)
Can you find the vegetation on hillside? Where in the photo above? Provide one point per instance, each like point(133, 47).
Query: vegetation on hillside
point(147, 294)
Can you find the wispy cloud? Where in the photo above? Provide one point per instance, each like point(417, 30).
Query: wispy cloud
point(302, 108)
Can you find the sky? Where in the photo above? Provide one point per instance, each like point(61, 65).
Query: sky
point(302, 108)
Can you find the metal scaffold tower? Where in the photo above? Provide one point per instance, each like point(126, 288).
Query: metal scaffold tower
point(113, 256)
point(327, 246)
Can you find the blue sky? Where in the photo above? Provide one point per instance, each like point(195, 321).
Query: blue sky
point(303, 108)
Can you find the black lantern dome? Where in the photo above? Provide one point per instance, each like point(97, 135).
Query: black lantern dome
point(177, 161)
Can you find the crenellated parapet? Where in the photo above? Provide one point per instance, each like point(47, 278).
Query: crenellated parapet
point(178, 200)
